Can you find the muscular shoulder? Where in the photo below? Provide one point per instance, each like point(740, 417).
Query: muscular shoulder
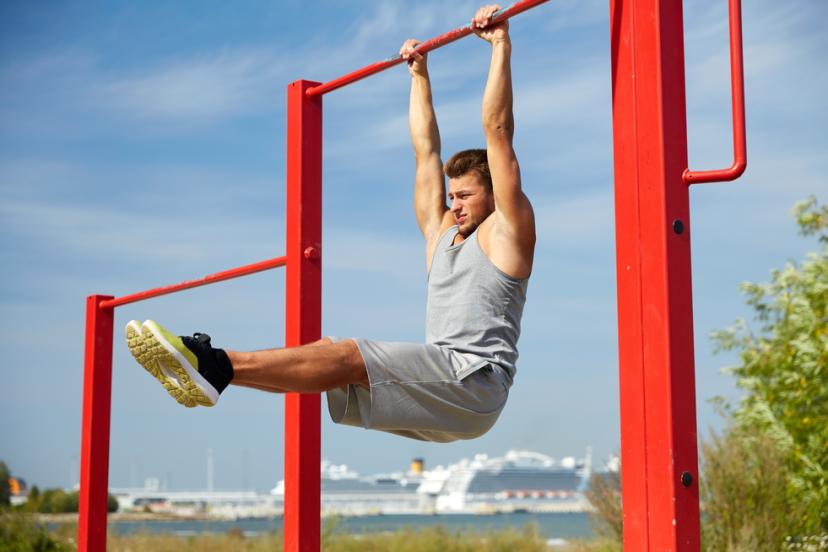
point(510, 246)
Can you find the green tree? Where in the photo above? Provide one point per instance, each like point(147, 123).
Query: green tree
point(783, 369)
point(32, 501)
point(111, 504)
point(763, 480)
point(5, 490)
point(49, 500)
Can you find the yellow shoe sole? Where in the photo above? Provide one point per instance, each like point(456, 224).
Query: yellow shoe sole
point(150, 346)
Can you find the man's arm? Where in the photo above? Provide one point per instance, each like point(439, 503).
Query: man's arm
point(513, 229)
point(429, 187)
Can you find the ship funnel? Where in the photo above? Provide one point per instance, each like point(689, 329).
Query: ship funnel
point(417, 466)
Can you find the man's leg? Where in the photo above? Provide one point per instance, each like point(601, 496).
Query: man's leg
point(311, 368)
point(268, 388)
point(195, 373)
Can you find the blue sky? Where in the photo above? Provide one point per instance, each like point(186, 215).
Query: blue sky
point(142, 144)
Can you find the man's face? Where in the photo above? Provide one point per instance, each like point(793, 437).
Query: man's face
point(471, 202)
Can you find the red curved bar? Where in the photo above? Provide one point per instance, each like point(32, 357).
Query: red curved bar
point(209, 279)
point(737, 84)
point(427, 46)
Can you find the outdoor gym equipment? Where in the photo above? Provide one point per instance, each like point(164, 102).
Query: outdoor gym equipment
point(655, 319)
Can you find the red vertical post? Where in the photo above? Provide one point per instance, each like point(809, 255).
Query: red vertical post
point(655, 318)
point(304, 313)
point(97, 399)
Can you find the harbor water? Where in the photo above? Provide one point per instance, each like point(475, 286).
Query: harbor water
point(550, 525)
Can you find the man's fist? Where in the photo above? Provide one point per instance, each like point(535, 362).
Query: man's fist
point(416, 61)
point(482, 26)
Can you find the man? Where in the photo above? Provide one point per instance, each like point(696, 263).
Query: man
point(479, 254)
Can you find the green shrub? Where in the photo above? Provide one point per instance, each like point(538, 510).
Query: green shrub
point(744, 493)
point(604, 494)
point(111, 504)
point(783, 369)
point(18, 533)
point(764, 481)
point(5, 490)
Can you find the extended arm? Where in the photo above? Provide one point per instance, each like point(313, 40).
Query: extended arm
point(429, 188)
point(514, 223)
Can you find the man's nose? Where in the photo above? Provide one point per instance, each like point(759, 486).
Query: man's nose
point(455, 205)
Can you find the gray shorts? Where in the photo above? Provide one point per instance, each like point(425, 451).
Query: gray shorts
point(415, 391)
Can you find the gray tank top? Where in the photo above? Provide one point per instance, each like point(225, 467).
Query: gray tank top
point(473, 306)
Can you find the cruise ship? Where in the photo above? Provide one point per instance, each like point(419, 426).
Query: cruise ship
point(515, 482)
point(346, 492)
point(518, 481)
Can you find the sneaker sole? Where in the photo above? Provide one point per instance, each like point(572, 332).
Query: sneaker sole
point(170, 361)
point(135, 342)
point(173, 356)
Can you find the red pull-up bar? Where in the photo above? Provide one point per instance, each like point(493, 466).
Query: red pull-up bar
point(209, 279)
point(427, 46)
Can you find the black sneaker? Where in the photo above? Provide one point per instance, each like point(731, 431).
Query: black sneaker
point(191, 371)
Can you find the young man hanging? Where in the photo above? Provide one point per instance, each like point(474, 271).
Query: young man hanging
point(479, 252)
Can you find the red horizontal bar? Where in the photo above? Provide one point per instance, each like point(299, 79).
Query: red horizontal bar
point(427, 46)
point(737, 98)
point(210, 279)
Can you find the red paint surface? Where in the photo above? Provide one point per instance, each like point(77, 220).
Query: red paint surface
point(97, 393)
point(737, 98)
point(209, 279)
point(427, 46)
point(304, 313)
point(655, 317)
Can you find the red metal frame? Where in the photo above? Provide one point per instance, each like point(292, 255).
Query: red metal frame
point(737, 95)
point(655, 330)
point(209, 279)
point(655, 317)
point(658, 421)
point(97, 389)
point(303, 324)
point(304, 313)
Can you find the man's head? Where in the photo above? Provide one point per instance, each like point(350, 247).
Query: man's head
point(470, 189)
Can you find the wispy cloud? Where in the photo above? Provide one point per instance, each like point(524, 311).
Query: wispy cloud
point(579, 99)
point(571, 14)
point(401, 257)
point(120, 234)
point(204, 89)
point(578, 221)
point(777, 40)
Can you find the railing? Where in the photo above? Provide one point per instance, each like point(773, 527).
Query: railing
point(737, 99)
point(97, 397)
point(189, 284)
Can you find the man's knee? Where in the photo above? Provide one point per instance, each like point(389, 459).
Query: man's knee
point(348, 354)
point(356, 361)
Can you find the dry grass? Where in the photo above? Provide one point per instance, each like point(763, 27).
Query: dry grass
point(29, 535)
point(425, 540)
